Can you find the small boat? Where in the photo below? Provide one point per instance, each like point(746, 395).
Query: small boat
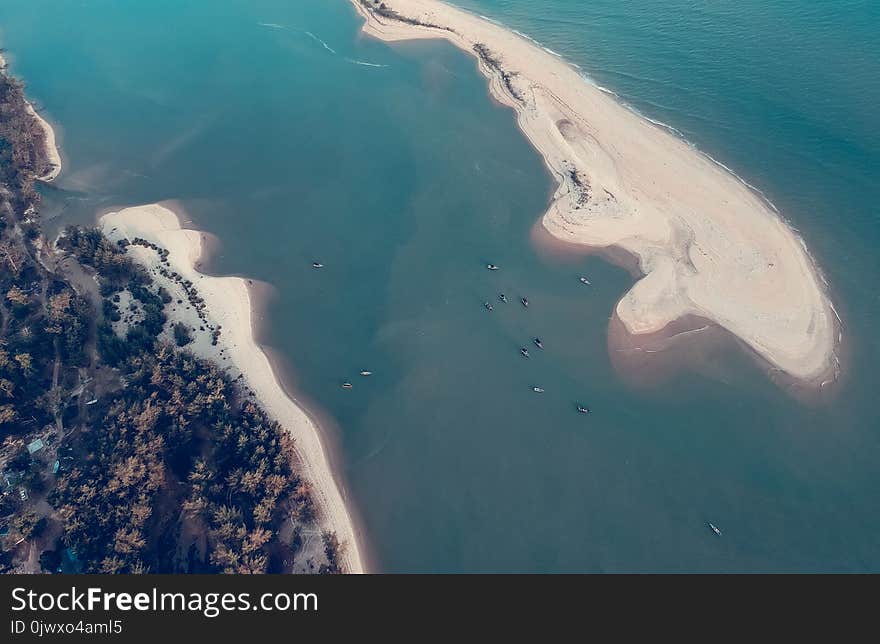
point(524, 352)
point(347, 385)
point(584, 280)
point(525, 301)
point(366, 373)
point(488, 306)
point(583, 410)
point(538, 390)
point(503, 298)
point(317, 265)
point(538, 343)
point(714, 528)
point(492, 267)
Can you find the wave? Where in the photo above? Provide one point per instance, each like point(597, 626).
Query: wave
point(534, 42)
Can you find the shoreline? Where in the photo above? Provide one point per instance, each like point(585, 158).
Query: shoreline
point(230, 303)
point(658, 342)
point(330, 432)
point(50, 143)
point(707, 243)
point(261, 293)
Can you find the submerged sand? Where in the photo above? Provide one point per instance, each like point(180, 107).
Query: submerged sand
point(707, 244)
point(229, 306)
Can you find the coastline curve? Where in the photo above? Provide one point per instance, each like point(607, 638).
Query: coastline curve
point(708, 245)
point(229, 306)
point(50, 142)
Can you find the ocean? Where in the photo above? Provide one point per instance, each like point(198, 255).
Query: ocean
point(292, 138)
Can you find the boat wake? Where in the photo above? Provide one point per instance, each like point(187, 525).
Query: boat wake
point(319, 40)
point(363, 62)
point(272, 25)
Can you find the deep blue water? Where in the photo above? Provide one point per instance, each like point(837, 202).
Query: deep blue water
point(405, 179)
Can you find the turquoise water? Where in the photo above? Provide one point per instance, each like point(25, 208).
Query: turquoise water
point(404, 179)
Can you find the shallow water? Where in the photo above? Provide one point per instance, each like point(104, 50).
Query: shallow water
point(405, 180)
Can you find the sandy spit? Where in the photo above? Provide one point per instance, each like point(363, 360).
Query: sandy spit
point(52, 152)
point(228, 304)
point(707, 244)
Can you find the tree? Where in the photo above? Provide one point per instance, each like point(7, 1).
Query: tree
point(182, 336)
point(331, 551)
point(50, 560)
point(17, 296)
point(7, 387)
point(25, 362)
point(7, 414)
point(26, 524)
point(59, 304)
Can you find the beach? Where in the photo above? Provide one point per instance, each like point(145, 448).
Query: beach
point(229, 308)
point(53, 155)
point(708, 245)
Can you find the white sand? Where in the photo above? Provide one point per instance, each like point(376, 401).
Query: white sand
point(706, 243)
point(52, 153)
point(228, 304)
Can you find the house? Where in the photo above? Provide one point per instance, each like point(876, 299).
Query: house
point(35, 446)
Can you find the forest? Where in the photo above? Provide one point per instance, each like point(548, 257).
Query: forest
point(121, 451)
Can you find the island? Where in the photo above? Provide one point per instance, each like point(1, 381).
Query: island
point(707, 245)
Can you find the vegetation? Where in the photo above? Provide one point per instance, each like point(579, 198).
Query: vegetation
point(43, 322)
point(177, 436)
point(121, 451)
point(379, 8)
point(492, 62)
point(22, 146)
point(182, 336)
